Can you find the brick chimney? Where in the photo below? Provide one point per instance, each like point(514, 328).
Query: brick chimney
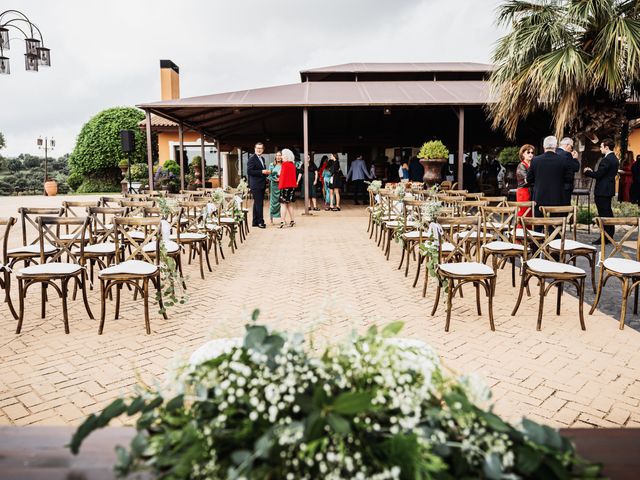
point(169, 80)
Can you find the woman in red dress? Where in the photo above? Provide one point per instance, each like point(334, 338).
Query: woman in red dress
point(523, 193)
point(287, 185)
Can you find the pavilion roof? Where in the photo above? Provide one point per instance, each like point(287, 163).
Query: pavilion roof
point(404, 67)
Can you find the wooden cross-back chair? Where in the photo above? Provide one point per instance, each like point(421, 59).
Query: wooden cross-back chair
point(135, 208)
point(539, 263)
point(462, 193)
point(471, 207)
point(5, 281)
point(77, 209)
point(395, 204)
point(111, 201)
point(229, 218)
point(193, 233)
point(102, 248)
point(572, 248)
point(495, 201)
point(136, 268)
point(473, 195)
point(244, 207)
point(51, 267)
point(448, 185)
point(618, 262)
point(391, 211)
point(173, 249)
point(30, 250)
point(525, 209)
point(413, 234)
point(140, 197)
point(450, 201)
point(459, 265)
point(499, 223)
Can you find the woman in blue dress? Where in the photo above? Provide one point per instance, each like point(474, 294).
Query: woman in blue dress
point(274, 190)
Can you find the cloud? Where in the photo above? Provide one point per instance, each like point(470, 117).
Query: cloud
point(106, 54)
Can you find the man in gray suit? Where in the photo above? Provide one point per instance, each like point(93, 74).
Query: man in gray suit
point(566, 151)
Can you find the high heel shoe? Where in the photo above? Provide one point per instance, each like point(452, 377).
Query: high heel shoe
point(281, 225)
point(292, 223)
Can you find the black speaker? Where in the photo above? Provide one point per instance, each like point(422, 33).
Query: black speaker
point(128, 141)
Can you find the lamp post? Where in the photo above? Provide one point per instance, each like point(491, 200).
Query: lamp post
point(46, 144)
point(37, 55)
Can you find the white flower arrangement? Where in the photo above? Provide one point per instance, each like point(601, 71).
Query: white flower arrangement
point(374, 407)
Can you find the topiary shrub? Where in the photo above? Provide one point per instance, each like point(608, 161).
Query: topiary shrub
point(98, 148)
point(6, 188)
point(139, 172)
point(14, 165)
point(433, 150)
point(171, 166)
point(74, 180)
point(509, 155)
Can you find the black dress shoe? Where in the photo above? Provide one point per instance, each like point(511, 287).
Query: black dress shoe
point(597, 242)
point(262, 225)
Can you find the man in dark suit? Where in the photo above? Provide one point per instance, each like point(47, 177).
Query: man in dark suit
point(257, 172)
point(547, 174)
point(566, 151)
point(605, 187)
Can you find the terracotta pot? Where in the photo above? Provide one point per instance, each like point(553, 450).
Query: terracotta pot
point(215, 182)
point(432, 170)
point(51, 187)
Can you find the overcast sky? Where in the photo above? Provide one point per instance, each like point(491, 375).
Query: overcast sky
point(106, 54)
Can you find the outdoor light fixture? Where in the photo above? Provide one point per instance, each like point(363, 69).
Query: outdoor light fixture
point(37, 55)
point(387, 111)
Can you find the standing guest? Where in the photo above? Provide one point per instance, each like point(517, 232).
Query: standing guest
point(336, 182)
point(313, 181)
point(274, 190)
point(321, 169)
point(287, 185)
point(634, 192)
point(469, 175)
point(546, 175)
point(403, 172)
point(523, 192)
point(566, 151)
point(326, 182)
point(357, 174)
point(392, 171)
point(605, 187)
point(257, 173)
point(372, 171)
point(416, 170)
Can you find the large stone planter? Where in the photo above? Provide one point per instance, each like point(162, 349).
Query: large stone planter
point(51, 188)
point(432, 170)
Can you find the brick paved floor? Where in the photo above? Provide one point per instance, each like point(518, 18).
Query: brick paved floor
point(323, 277)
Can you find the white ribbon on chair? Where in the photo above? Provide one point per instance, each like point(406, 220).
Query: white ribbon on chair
point(238, 200)
point(165, 231)
point(435, 232)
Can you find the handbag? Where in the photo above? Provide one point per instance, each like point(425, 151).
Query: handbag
point(331, 181)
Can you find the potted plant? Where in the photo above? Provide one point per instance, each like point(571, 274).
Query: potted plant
point(50, 187)
point(124, 166)
point(212, 175)
point(167, 177)
point(196, 165)
point(139, 175)
point(509, 157)
point(433, 155)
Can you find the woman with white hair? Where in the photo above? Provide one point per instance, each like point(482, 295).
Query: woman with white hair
point(287, 185)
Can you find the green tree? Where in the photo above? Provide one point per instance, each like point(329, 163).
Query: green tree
point(3, 143)
point(577, 59)
point(98, 150)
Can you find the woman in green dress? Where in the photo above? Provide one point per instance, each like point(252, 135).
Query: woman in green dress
point(274, 191)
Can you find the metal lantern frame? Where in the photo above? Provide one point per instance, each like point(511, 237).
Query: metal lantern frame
point(36, 54)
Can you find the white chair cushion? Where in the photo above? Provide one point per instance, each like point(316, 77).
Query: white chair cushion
point(395, 223)
point(106, 247)
point(212, 226)
point(130, 267)
point(532, 233)
point(189, 236)
point(53, 268)
point(71, 236)
point(137, 235)
point(446, 246)
point(227, 220)
point(32, 249)
point(622, 265)
point(473, 234)
point(570, 245)
point(497, 225)
point(543, 265)
point(172, 247)
point(502, 246)
point(466, 268)
point(415, 234)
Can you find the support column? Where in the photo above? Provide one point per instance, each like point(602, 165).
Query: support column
point(460, 146)
point(305, 137)
point(203, 164)
point(219, 167)
point(181, 155)
point(149, 149)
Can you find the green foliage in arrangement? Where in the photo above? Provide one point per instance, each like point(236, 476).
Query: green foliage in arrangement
point(140, 172)
point(98, 147)
point(98, 185)
point(433, 149)
point(509, 155)
point(172, 167)
point(373, 407)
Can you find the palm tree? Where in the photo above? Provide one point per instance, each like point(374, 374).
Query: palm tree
point(577, 59)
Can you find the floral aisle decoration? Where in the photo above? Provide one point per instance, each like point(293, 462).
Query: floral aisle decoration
point(373, 407)
point(429, 249)
point(374, 186)
point(173, 284)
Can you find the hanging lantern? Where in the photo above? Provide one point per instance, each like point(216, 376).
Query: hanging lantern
point(32, 45)
point(39, 141)
point(52, 142)
point(4, 38)
point(30, 62)
point(4, 66)
point(44, 56)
